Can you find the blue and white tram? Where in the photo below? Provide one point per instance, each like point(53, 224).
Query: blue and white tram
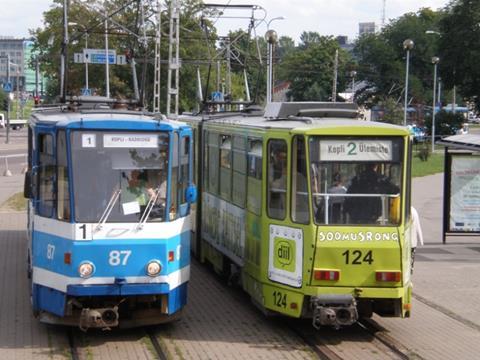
point(109, 217)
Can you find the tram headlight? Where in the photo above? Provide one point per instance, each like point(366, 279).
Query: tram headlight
point(86, 269)
point(154, 267)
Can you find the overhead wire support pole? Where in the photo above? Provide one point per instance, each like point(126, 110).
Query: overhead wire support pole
point(64, 54)
point(173, 59)
point(157, 74)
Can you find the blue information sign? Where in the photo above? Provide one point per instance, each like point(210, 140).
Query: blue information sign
point(7, 87)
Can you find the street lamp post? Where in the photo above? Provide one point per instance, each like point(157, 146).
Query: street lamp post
point(271, 37)
point(407, 45)
point(353, 73)
point(86, 47)
point(435, 61)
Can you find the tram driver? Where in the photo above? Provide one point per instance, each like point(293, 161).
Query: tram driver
point(367, 210)
point(137, 189)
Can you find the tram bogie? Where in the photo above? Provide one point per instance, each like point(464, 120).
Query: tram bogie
point(109, 217)
point(311, 205)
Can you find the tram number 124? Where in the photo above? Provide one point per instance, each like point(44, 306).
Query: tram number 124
point(280, 299)
point(357, 257)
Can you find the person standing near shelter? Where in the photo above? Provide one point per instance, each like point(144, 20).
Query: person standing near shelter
point(417, 234)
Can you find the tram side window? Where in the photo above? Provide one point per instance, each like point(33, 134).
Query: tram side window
point(239, 170)
point(254, 183)
point(300, 210)
point(46, 176)
point(213, 156)
point(184, 167)
point(175, 187)
point(226, 167)
point(63, 195)
point(277, 179)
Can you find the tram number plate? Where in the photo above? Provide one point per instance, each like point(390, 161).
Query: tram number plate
point(280, 299)
point(357, 257)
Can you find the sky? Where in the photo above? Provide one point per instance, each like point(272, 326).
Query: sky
point(328, 17)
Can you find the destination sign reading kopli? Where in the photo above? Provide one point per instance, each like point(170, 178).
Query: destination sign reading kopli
point(355, 150)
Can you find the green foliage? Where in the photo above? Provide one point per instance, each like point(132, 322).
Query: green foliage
point(3, 100)
point(460, 48)
point(433, 165)
point(381, 58)
point(192, 47)
point(310, 67)
point(446, 123)
point(393, 112)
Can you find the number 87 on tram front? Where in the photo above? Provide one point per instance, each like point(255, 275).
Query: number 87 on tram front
point(109, 217)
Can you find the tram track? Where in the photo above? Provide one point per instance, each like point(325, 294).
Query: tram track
point(160, 352)
point(73, 351)
point(380, 334)
point(364, 338)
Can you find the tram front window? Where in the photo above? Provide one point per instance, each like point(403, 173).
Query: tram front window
point(126, 170)
point(356, 181)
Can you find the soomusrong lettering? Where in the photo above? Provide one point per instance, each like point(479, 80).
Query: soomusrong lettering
point(357, 236)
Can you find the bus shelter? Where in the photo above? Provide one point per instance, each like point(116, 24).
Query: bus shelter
point(461, 185)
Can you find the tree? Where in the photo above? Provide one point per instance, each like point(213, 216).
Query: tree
point(460, 48)
point(126, 13)
point(310, 67)
point(381, 58)
point(446, 123)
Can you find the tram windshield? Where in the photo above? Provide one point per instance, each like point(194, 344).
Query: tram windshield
point(116, 175)
point(356, 180)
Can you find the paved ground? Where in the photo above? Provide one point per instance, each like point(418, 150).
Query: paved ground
point(445, 320)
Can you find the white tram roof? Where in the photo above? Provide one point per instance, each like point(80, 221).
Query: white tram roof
point(300, 116)
point(57, 116)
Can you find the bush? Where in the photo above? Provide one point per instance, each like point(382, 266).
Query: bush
point(424, 153)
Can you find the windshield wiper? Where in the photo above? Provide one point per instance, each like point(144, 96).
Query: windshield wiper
point(148, 209)
point(108, 209)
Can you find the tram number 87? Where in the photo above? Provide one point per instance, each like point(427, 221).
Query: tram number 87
point(357, 257)
point(279, 299)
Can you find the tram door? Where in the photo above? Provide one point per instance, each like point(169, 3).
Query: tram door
point(285, 241)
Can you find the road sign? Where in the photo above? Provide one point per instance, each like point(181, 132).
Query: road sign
point(7, 87)
point(78, 58)
point(121, 60)
point(217, 96)
point(86, 92)
point(97, 56)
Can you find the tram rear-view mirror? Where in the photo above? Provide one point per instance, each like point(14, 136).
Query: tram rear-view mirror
point(27, 185)
point(191, 194)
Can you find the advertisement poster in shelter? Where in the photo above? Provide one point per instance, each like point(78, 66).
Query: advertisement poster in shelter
point(465, 194)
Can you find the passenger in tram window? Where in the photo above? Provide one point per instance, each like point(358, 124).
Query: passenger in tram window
point(336, 202)
point(367, 210)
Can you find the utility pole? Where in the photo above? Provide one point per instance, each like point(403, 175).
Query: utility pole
point(36, 75)
point(8, 100)
point(107, 60)
point(335, 75)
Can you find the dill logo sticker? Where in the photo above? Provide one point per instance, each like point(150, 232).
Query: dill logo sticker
point(284, 254)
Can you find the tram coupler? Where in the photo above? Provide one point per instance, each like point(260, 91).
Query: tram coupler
point(104, 318)
point(333, 310)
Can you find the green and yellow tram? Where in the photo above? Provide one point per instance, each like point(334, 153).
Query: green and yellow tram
point(309, 208)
